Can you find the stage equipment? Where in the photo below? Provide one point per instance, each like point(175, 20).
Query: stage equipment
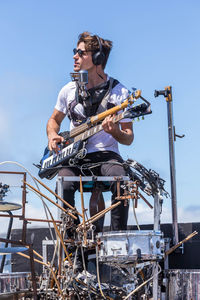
point(130, 247)
point(167, 93)
point(121, 264)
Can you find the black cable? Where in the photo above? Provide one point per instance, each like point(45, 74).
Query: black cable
point(99, 74)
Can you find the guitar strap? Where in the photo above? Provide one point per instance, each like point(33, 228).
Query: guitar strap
point(92, 109)
point(104, 102)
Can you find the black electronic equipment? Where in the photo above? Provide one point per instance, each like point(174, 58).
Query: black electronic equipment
point(98, 57)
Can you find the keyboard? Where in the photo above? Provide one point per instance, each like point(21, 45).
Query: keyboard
point(51, 161)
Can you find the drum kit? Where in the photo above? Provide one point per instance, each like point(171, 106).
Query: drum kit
point(86, 263)
point(120, 264)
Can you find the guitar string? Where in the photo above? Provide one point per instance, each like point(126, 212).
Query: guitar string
point(84, 126)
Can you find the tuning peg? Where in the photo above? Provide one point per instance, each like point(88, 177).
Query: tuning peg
point(142, 117)
point(138, 119)
point(136, 93)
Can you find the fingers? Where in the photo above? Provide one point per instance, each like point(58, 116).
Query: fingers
point(108, 124)
point(53, 143)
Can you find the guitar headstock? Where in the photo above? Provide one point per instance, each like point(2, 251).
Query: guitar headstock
point(138, 111)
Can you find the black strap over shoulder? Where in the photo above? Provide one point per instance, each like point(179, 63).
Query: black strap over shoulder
point(96, 102)
point(115, 82)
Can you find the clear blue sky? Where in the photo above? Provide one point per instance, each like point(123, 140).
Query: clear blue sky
point(156, 43)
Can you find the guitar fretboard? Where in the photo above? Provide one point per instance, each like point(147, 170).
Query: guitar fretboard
point(82, 128)
point(90, 132)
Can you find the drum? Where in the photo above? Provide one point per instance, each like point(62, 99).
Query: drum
point(130, 246)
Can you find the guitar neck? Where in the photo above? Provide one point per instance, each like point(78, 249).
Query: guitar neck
point(95, 129)
point(95, 119)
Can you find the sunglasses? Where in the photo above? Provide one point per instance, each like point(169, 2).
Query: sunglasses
point(79, 51)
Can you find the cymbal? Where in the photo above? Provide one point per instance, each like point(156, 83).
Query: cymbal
point(9, 206)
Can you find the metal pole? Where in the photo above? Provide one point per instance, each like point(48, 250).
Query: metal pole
point(155, 281)
point(23, 210)
point(157, 210)
point(172, 167)
point(34, 285)
point(167, 93)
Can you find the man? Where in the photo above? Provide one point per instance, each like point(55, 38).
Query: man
point(91, 55)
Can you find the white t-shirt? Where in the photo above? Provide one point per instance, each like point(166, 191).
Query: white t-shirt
point(102, 140)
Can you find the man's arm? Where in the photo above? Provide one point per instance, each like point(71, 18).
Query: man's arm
point(123, 135)
point(53, 127)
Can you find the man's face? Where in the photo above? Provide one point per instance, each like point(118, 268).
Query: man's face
point(82, 61)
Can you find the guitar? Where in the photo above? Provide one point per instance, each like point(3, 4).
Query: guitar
point(73, 147)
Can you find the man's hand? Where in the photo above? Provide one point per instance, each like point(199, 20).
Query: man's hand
point(123, 135)
point(109, 126)
point(54, 140)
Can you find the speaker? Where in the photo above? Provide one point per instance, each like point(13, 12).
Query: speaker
point(98, 57)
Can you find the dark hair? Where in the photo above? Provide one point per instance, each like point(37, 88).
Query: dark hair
point(92, 44)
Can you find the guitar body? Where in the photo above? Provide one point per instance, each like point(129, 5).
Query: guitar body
point(51, 162)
